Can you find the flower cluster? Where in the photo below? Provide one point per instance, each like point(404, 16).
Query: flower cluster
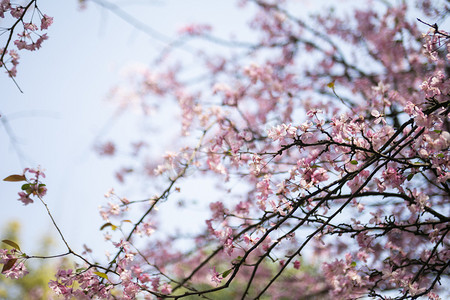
point(29, 36)
point(13, 263)
point(339, 157)
point(33, 185)
point(85, 284)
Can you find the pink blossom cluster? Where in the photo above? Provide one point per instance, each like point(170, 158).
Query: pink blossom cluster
point(106, 149)
point(345, 278)
point(342, 165)
point(28, 35)
point(33, 186)
point(16, 267)
point(115, 207)
point(327, 141)
point(80, 285)
point(280, 132)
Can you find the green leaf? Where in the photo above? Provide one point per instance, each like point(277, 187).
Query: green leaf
point(25, 187)
point(353, 264)
point(12, 244)
point(15, 178)
point(237, 260)
point(410, 176)
point(437, 131)
point(354, 162)
point(440, 155)
point(102, 275)
point(226, 273)
point(331, 85)
point(9, 264)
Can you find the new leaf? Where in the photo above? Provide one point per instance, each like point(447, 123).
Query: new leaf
point(15, 178)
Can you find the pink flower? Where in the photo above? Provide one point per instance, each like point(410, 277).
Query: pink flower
point(130, 290)
point(226, 237)
point(125, 275)
point(4, 256)
point(30, 26)
point(263, 187)
point(38, 172)
point(313, 176)
point(20, 44)
point(209, 226)
point(12, 72)
point(40, 40)
point(242, 208)
point(280, 131)
point(247, 238)
point(296, 264)
point(18, 271)
point(144, 278)
point(60, 289)
point(17, 12)
point(319, 175)
point(155, 283)
point(65, 277)
point(216, 277)
point(5, 5)
point(166, 289)
point(25, 198)
point(313, 112)
point(217, 209)
point(107, 149)
point(392, 177)
point(378, 117)
point(46, 21)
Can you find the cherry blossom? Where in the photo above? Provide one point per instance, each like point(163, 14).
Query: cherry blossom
point(23, 31)
point(327, 141)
